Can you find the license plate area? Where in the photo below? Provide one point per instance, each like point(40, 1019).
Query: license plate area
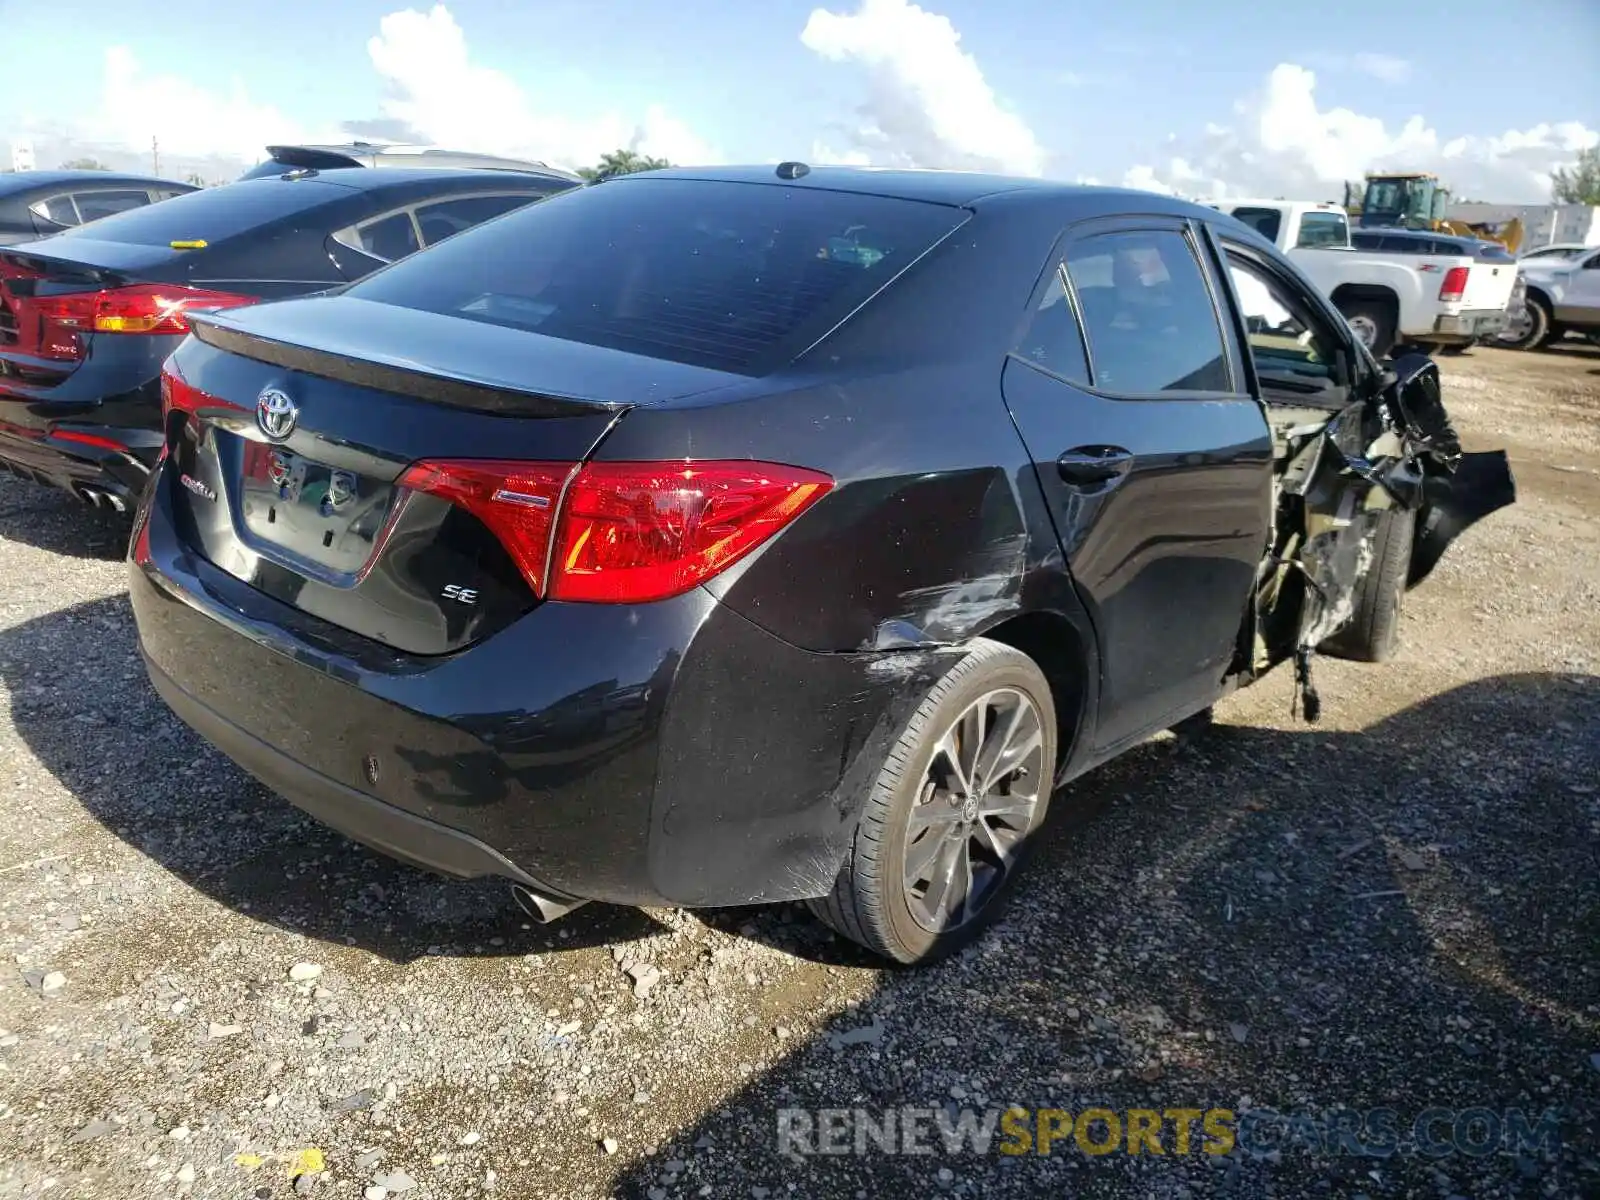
point(315, 512)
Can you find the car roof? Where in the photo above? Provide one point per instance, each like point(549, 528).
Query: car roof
point(391, 153)
point(364, 179)
point(960, 188)
point(1415, 235)
point(1305, 205)
point(19, 181)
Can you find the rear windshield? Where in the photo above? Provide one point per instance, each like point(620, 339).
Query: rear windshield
point(211, 214)
point(734, 276)
point(1319, 230)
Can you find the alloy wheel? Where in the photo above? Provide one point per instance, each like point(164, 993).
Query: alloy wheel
point(1518, 328)
point(977, 803)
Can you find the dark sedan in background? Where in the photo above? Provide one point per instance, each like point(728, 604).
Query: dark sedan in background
point(87, 316)
point(37, 204)
point(722, 537)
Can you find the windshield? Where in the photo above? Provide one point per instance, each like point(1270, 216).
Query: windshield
point(1385, 197)
point(211, 214)
point(734, 276)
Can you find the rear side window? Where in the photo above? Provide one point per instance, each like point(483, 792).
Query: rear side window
point(94, 205)
point(1148, 314)
point(734, 276)
point(450, 217)
point(1053, 341)
point(57, 210)
point(388, 238)
point(1265, 221)
point(212, 214)
point(1323, 229)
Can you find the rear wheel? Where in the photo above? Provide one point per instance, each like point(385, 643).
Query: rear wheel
point(1373, 323)
point(1528, 332)
point(1373, 632)
point(947, 822)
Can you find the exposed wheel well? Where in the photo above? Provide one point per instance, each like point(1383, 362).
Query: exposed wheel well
point(1055, 644)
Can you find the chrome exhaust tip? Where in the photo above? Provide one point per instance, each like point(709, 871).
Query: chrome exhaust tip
point(115, 502)
point(541, 908)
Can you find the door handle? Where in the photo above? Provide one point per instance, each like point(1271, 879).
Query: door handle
point(1088, 466)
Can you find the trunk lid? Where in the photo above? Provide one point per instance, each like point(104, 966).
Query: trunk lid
point(299, 420)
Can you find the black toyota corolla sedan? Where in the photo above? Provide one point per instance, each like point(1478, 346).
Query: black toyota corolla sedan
point(87, 316)
point(722, 537)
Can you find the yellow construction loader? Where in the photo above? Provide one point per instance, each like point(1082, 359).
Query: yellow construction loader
point(1417, 200)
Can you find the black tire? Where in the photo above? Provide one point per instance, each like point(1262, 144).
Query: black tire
point(1537, 333)
point(1373, 632)
point(1372, 317)
point(869, 903)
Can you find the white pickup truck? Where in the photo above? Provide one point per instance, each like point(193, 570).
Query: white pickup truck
point(1446, 300)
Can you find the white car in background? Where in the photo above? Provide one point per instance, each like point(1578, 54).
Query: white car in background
point(1563, 297)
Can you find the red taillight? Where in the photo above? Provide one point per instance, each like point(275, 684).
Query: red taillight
point(140, 308)
point(516, 500)
point(624, 532)
point(1455, 284)
point(631, 532)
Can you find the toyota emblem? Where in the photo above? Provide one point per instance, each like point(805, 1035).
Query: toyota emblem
point(276, 414)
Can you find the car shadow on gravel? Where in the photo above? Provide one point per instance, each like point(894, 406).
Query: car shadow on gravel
point(81, 702)
point(49, 519)
point(1405, 917)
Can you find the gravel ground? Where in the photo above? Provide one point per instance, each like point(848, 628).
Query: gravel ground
point(207, 995)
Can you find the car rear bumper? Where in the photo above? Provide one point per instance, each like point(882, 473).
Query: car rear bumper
point(97, 432)
point(99, 463)
point(1470, 324)
point(671, 753)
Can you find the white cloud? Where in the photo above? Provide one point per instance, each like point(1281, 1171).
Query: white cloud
point(436, 94)
point(928, 103)
point(437, 90)
point(1385, 67)
point(1283, 143)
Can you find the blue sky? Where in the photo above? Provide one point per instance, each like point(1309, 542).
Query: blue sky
point(1077, 89)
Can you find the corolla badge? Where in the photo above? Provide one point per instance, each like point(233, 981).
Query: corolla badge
point(276, 414)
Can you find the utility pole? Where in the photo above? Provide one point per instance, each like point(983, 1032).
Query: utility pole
point(155, 158)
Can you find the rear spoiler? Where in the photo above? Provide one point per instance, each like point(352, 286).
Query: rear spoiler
point(389, 377)
point(309, 159)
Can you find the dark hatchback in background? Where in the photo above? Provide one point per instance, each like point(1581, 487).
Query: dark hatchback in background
point(87, 316)
point(708, 538)
point(37, 204)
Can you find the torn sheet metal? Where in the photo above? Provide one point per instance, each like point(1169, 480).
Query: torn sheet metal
point(1336, 484)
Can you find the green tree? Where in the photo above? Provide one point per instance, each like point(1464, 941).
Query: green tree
point(195, 179)
point(1581, 184)
point(84, 164)
point(622, 162)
